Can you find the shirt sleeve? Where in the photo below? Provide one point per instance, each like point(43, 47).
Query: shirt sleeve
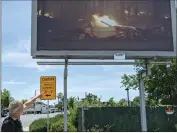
point(8, 126)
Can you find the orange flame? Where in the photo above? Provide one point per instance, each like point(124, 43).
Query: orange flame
point(103, 21)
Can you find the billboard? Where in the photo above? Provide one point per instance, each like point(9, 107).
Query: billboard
point(102, 28)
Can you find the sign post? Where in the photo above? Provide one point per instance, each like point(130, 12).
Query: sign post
point(48, 86)
point(48, 116)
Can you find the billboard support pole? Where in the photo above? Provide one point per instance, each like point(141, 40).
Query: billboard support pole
point(143, 73)
point(65, 94)
point(142, 106)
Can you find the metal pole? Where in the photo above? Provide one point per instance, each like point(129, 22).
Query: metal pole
point(85, 94)
point(48, 116)
point(35, 104)
point(85, 99)
point(142, 106)
point(128, 99)
point(83, 119)
point(65, 94)
point(0, 52)
point(100, 63)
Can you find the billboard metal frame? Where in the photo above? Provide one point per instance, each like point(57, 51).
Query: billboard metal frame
point(63, 54)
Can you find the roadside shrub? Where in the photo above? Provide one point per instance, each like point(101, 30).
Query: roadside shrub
point(59, 127)
point(38, 126)
point(56, 124)
point(73, 117)
point(96, 128)
point(56, 118)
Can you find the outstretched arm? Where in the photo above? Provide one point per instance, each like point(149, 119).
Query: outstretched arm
point(31, 101)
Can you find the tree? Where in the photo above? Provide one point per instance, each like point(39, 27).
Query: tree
point(5, 98)
point(112, 103)
point(71, 102)
point(91, 98)
point(39, 102)
point(122, 102)
point(136, 101)
point(160, 86)
point(11, 99)
point(149, 101)
point(130, 82)
point(60, 97)
point(59, 106)
point(24, 101)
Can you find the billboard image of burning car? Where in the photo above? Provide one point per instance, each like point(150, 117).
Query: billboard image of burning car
point(104, 25)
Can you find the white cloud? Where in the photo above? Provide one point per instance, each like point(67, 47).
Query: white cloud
point(11, 82)
point(20, 56)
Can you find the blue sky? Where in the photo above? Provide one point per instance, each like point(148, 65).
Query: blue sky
point(21, 74)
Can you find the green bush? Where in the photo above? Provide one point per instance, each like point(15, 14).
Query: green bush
point(59, 127)
point(56, 118)
point(56, 124)
point(38, 126)
point(96, 128)
point(73, 117)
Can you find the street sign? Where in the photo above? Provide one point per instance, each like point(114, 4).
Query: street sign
point(48, 86)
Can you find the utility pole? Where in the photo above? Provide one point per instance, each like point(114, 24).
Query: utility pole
point(128, 98)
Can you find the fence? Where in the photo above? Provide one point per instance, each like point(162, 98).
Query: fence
point(121, 119)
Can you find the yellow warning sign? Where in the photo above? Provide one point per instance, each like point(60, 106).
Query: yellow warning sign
point(48, 86)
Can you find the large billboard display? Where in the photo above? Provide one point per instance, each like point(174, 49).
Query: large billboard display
point(101, 28)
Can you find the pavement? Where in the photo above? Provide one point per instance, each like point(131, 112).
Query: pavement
point(27, 119)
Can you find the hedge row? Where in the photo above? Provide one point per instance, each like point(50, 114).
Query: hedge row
point(56, 123)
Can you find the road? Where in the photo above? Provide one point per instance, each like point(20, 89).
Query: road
point(29, 118)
